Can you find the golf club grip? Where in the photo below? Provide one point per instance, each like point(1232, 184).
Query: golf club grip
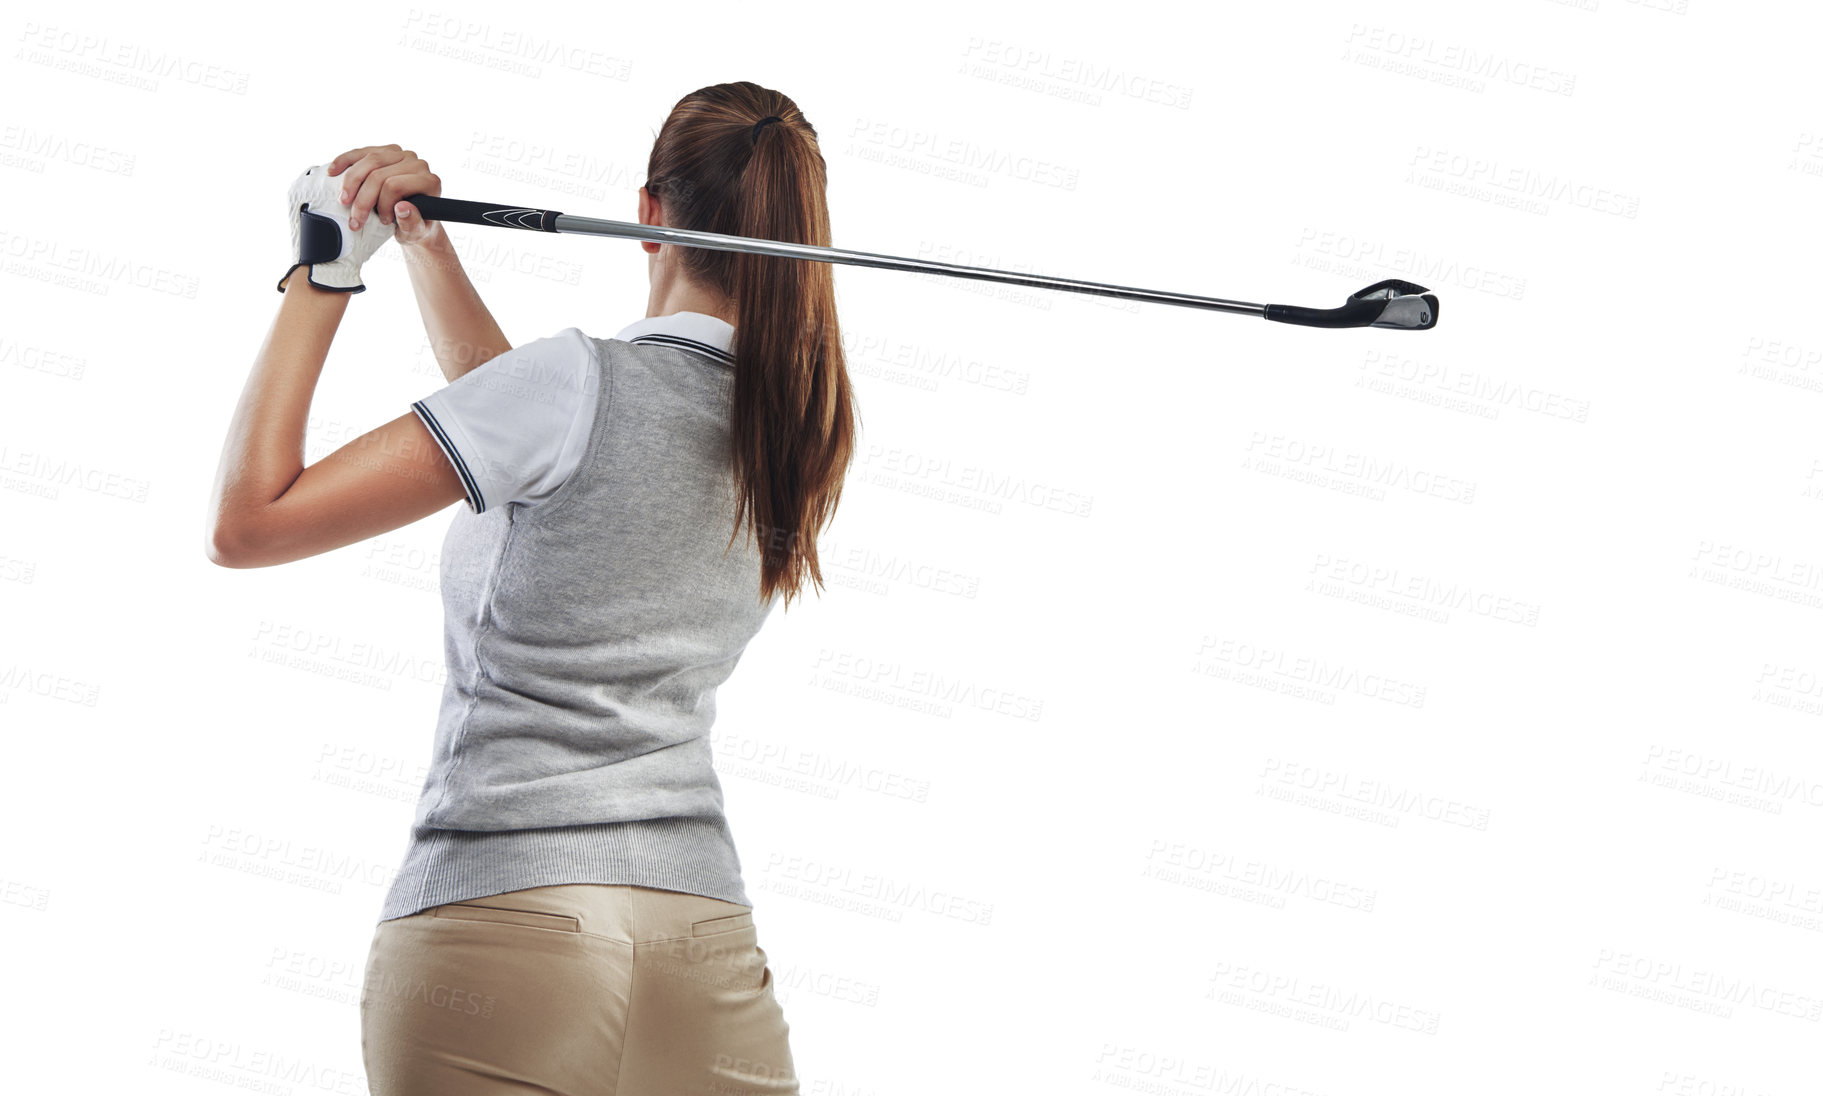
point(433, 208)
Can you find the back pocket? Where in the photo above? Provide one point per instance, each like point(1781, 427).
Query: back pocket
point(535, 919)
point(721, 924)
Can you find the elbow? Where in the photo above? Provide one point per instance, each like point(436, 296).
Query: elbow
point(224, 548)
point(216, 549)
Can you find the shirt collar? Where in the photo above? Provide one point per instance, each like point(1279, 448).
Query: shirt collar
point(706, 335)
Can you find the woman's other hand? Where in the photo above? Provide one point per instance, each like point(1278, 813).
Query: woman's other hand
point(377, 179)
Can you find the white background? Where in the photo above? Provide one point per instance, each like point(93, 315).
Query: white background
point(1197, 704)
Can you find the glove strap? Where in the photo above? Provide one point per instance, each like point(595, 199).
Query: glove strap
point(320, 241)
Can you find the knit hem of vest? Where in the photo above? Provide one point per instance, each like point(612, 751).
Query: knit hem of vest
point(690, 855)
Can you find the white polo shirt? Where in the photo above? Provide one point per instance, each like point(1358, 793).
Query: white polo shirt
point(516, 426)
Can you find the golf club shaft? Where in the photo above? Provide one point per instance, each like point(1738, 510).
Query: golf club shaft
point(593, 226)
point(449, 209)
point(1359, 313)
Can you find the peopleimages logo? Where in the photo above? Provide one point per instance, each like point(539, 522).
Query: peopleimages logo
point(1077, 78)
point(987, 487)
point(1449, 63)
point(921, 145)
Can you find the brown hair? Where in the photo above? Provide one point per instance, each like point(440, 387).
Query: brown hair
point(794, 420)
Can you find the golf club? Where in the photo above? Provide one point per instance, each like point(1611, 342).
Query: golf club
point(1391, 303)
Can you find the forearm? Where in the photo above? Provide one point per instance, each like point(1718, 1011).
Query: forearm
point(264, 453)
point(462, 331)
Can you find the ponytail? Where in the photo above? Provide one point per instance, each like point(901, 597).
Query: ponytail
point(793, 421)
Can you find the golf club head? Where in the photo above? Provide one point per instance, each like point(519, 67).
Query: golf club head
point(1412, 307)
point(1391, 303)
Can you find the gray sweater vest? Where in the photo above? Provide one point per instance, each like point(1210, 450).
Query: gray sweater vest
point(584, 639)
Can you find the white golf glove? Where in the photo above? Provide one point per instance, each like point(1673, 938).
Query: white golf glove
point(321, 238)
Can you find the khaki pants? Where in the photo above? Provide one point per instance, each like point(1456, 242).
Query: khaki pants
point(579, 989)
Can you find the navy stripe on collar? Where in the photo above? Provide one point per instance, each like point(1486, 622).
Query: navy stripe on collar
point(714, 354)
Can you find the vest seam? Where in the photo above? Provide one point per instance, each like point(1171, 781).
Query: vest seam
point(482, 629)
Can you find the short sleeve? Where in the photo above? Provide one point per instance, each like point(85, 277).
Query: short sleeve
point(515, 427)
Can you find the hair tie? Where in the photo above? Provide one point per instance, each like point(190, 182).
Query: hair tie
point(762, 122)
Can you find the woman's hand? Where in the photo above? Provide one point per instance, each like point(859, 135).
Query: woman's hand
point(378, 179)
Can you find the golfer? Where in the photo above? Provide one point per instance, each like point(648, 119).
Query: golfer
point(570, 916)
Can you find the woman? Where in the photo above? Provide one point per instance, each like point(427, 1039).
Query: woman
point(570, 917)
